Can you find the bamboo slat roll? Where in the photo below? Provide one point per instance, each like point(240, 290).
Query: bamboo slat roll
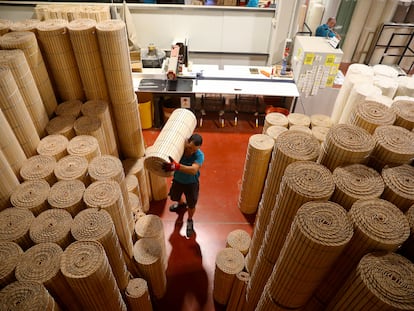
point(93, 224)
point(90, 125)
point(405, 86)
point(273, 119)
point(39, 167)
point(404, 109)
point(27, 42)
point(16, 113)
point(67, 195)
point(53, 145)
point(137, 295)
point(320, 120)
point(298, 119)
point(14, 226)
point(72, 167)
point(132, 184)
point(135, 206)
point(70, 108)
point(41, 264)
point(399, 186)
point(136, 167)
point(31, 195)
point(85, 266)
point(354, 182)
point(4, 26)
point(148, 258)
point(57, 50)
point(229, 262)
point(266, 303)
point(240, 240)
point(9, 182)
point(159, 187)
point(25, 25)
point(274, 131)
point(85, 146)
point(300, 128)
point(238, 292)
point(61, 125)
point(320, 133)
point(258, 155)
point(407, 249)
point(10, 253)
point(381, 281)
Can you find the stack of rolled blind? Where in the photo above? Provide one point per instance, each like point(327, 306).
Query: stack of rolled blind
point(394, 145)
point(369, 115)
point(404, 109)
point(100, 109)
point(354, 182)
point(57, 50)
point(407, 249)
point(300, 128)
point(320, 133)
point(238, 292)
point(27, 42)
point(320, 120)
point(136, 208)
point(72, 167)
point(405, 86)
point(90, 125)
point(229, 262)
point(31, 195)
point(137, 295)
point(239, 239)
point(39, 167)
point(52, 226)
point(114, 50)
point(274, 131)
point(148, 259)
point(9, 182)
point(170, 141)
point(25, 25)
point(289, 147)
point(10, 253)
point(4, 26)
point(93, 224)
point(67, 195)
point(53, 145)
point(159, 185)
point(69, 108)
point(41, 264)
point(399, 186)
point(378, 225)
point(13, 106)
point(319, 233)
point(131, 182)
point(61, 125)
point(381, 281)
point(259, 152)
point(345, 144)
point(298, 119)
point(85, 146)
point(136, 167)
point(85, 265)
point(14, 226)
point(387, 85)
point(275, 119)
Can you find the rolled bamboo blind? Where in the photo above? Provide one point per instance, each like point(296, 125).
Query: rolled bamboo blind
point(85, 46)
point(10, 253)
point(266, 303)
point(19, 67)
point(72, 167)
point(274, 131)
point(53, 145)
point(93, 224)
point(239, 239)
point(85, 266)
point(345, 144)
point(381, 281)
point(387, 85)
point(57, 50)
point(300, 128)
point(136, 167)
point(61, 125)
point(16, 113)
point(159, 186)
point(273, 119)
point(320, 132)
point(69, 108)
point(31, 195)
point(41, 264)
point(320, 120)
point(86, 146)
point(380, 99)
point(27, 42)
point(170, 141)
point(67, 195)
point(148, 258)
point(407, 249)
point(137, 295)
point(132, 184)
point(298, 119)
point(90, 125)
point(25, 25)
point(4, 26)
point(404, 109)
point(405, 86)
point(9, 182)
point(135, 206)
point(14, 226)
point(39, 167)
point(22, 296)
point(399, 186)
point(354, 182)
point(238, 292)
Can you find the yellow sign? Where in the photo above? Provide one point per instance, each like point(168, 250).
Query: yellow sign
point(330, 60)
point(309, 59)
point(330, 81)
point(334, 69)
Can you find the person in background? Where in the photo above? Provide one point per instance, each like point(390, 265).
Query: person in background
point(326, 30)
point(186, 179)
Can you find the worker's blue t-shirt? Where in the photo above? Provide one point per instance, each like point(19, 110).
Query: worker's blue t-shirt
point(324, 31)
point(183, 178)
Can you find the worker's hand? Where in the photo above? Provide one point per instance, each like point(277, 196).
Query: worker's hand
point(172, 166)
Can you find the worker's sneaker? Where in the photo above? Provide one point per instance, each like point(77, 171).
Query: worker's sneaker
point(176, 206)
point(190, 228)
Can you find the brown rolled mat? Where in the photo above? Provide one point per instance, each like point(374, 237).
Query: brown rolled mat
point(31, 195)
point(14, 226)
point(53, 145)
point(378, 225)
point(345, 144)
point(25, 25)
point(72, 167)
point(86, 146)
point(9, 182)
point(4, 26)
point(39, 167)
point(67, 195)
point(53, 36)
point(136, 167)
point(135, 204)
point(320, 120)
point(381, 281)
point(369, 115)
point(239, 239)
point(319, 233)
point(299, 119)
point(85, 267)
point(238, 292)
point(266, 303)
point(27, 42)
point(69, 108)
point(22, 296)
point(93, 224)
point(90, 125)
point(10, 253)
point(85, 46)
point(407, 249)
point(275, 119)
point(229, 262)
point(132, 184)
point(137, 295)
point(399, 186)
point(13, 106)
point(274, 131)
point(62, 125)
point(16, 61)
point(159, 186)
point(148, 259)
point(404, 109)
point(320, 133)
point(258, 155)
point(354, 182)
point(41, 264)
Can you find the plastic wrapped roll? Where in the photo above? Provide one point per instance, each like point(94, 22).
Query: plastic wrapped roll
point(70, 108)
point(67, 195)
point(275, 118)
point(136, 167)
point(53, 145)
point(31, 195)
point(385, 70)
point(275, 130)
point(10, 253)
point(90, 125)
point(72, 167)
point(240, 240)
point(61, 125)
point(387, 85)
point(39, 167)
point(298, 119)
point(14, 226)
point(314, 15)
point(9, 182)
point(85, 146)
point(404, 108)
point(137, 295)
point(405, 86)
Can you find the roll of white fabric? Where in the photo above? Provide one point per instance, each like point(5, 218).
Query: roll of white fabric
point(385, 70)
point(387, 85)
point(405, 86)
point(301, 16)
point(314, 16)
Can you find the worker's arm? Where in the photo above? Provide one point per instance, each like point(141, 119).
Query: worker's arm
point(175, 166)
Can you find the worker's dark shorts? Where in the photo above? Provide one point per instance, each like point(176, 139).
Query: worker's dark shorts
point(190, 191)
